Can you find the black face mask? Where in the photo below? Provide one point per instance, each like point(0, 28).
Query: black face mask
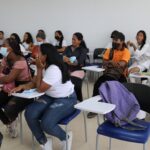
point(57, 38)
point(115, 45)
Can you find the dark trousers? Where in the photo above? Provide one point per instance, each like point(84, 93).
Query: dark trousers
point(11, 106)
point(78, 87)
point(103, 79)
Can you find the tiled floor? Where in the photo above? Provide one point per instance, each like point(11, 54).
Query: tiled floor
point(78, 137)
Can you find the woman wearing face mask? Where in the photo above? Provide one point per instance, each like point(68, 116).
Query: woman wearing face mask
point(74, 57)
point(60, 43)
point(58, 102)
point(116, 58)
point(141, 51)
point(14, 69)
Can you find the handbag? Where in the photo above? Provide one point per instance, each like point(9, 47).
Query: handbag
point(114, 71)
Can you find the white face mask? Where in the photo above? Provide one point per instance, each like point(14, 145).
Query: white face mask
point(39, 43)
point(4, 51)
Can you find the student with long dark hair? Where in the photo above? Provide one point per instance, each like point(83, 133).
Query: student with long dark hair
point(58, 102)
point(60, 42)
point(27, 40)
point(74, 57)
point(17, 38)
point(14, 69)
point(141, 50)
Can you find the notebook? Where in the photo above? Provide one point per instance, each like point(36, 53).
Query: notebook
point(32, 93)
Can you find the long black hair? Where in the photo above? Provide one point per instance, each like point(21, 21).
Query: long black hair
point(17, 38)
point(14, 45)
point(29, 39)
point(53, 58)
point(62, 37)
point(144, 40)
point(80, 38)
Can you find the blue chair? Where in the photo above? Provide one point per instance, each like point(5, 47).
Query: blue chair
point(66, 122)
point(137, 136)
point(110, 130)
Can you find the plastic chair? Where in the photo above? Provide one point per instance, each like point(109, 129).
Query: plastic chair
point(66, 122)
point(110, 130)
point(98, 53)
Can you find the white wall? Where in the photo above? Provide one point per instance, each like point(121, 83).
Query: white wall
point(96, 19)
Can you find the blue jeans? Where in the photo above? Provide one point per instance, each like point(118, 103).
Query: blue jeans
point(44, 115)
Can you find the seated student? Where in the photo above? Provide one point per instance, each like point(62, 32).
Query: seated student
point(27, 41)
point(58, 102)
point(1, 41)
point(1, 38)
point(141, 49)
point(17, 38)
point(40, 38)
point(75, 56)
point(115, 62)
point(59, 42)
point(14, 71)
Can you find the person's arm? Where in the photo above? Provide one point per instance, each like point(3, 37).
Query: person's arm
point(143, 51)
point(40, 85)
point(60, 50)
point(11, 76)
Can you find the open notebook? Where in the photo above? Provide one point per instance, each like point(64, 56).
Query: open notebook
point(32, 93)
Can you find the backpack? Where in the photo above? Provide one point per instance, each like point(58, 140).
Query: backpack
point(126, 103)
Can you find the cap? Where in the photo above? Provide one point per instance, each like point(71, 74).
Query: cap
point(113, 34)
point(120, 36)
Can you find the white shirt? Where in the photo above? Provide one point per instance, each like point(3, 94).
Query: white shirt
point(23, 50)
point(141, 56)
point(144, 66)
point(56, 43)
point(53, 77)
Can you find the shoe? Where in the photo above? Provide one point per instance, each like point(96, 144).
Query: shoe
point(91, 115)
point(47, 145)
point(63, 143)
point(12, 129)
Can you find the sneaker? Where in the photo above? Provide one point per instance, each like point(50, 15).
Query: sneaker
point(47, 145)
point(63, 143)
point(91, 115)
point(12, 129)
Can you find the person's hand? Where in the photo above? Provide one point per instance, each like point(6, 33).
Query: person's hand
point(66, 59)
point(128, 43)
point(17, 89)
point(39, 64)
point(134, 70)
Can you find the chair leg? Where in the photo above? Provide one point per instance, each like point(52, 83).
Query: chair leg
point(109, 143)
point(66, 129)
point(85, 126)
point(144, 147)
point(33, 142)
point(21, 129)
point(97, 142)
point(87, 83)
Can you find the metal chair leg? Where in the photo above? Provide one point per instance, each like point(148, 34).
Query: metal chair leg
point(97, 142)
point(21, 129)
point(85, 126)
point(66, 129)
point(144, 147)
point(109, 143)
point(33, 148)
